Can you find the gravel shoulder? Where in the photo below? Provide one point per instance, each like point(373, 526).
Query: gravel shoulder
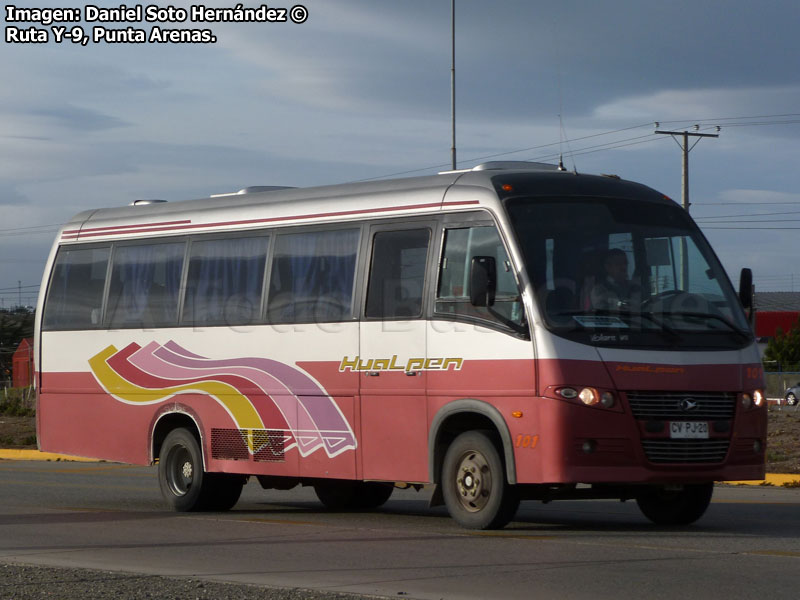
point(28, 582)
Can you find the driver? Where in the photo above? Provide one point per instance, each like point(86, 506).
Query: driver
point(615, 291)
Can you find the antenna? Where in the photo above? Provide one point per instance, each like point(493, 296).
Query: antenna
point(453, 82)
point(562, 132)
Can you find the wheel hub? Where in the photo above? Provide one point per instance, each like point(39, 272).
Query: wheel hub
point(473, 481)
point(180, 471)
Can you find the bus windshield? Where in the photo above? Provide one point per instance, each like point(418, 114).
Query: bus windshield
point(621, 272)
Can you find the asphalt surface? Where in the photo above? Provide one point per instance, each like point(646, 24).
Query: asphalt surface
point(96, 530)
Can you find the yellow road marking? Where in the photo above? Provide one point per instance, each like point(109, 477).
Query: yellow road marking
point(781, 553)
point(26, 454)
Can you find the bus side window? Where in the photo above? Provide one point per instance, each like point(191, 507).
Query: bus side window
point(225, 281)
point(75, 297)
point(397, 274)
point(145, 283)
point(452, 297)
point(312, 276)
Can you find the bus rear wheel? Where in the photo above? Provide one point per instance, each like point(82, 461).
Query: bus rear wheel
point(675, 505)
point(474, 485)
point(353, 495)
point(184, 484)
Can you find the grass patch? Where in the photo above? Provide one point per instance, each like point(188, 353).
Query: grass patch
point(18, 402)
point(773, 456)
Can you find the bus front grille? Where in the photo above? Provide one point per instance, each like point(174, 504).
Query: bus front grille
point(667, 406)
point(686, 451)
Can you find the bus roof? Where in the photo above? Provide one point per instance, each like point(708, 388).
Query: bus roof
point(268, 206)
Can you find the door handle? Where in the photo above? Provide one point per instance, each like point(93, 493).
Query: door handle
point(373, 374)
point(413, 373)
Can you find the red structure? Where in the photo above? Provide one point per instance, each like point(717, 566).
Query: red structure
point(22, 364)
point(767, 322)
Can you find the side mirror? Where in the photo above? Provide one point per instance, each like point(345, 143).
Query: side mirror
point(746, 288)
point(746, 293)
point(482, 280)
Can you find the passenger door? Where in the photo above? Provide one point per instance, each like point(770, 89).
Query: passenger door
point(394, 432)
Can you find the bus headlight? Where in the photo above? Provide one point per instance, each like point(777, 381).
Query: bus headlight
point(589, 396)
point(586, 396)
point(756, 399)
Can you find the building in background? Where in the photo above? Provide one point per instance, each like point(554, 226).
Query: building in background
point(22, 364)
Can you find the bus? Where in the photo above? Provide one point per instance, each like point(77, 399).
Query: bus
point(503, 333)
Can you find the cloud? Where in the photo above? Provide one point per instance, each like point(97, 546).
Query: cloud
point(10, 195)
point(699, 104)
point(77, 118)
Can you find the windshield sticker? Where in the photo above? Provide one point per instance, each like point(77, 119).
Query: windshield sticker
point(604, 337)
point(600, 321)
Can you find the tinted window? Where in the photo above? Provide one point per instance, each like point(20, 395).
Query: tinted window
point(460, 247)
point(75, 297)
point(397, 273)
point(312, 276)
point(225, 280)
point(640, 270)
point(145, 281)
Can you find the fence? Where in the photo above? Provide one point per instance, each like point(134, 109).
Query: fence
point(778, 381)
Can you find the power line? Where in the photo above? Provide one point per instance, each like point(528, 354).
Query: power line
point(743, 220)
point(778, 116)
point(770, 214)
point(30, 227)
point(781, 228)
point(694, 123)
point(17, 287)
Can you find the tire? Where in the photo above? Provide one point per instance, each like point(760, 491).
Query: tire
point(353, 495)
point(474, 484)
point(791, 399)
point(681, 506)
point(184, 485)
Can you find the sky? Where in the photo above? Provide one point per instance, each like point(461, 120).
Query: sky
point(361, 90)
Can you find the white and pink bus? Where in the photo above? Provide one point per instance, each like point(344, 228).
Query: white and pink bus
point(504, 333)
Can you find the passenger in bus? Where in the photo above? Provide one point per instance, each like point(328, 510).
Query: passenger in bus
point(615, 291)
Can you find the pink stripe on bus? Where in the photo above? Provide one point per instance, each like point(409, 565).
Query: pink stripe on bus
point(155, 227)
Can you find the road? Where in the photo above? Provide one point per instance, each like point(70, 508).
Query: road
point(109, 517)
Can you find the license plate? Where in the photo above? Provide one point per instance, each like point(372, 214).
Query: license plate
point(688, 430)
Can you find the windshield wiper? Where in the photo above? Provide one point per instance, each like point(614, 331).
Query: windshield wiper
point(743, 335)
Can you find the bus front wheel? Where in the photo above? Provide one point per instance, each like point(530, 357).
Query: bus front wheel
point(675, 505)
point(474, 485)
point(184, 484)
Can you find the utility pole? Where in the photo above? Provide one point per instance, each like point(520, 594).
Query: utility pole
point(453, 82)
point(685, 135)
